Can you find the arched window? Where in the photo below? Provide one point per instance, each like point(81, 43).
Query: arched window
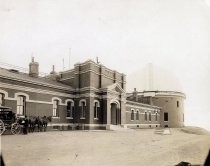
point(70, 109)
point(21, 105)
point(2, 99)
point(82, 105)
point(132, 114)
point(150, 117)
point(137, 115)
point(55, 108)
point(96, 109)
point(145, 116)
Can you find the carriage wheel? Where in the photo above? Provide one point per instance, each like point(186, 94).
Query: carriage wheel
point(2, 128)
point(15, 128)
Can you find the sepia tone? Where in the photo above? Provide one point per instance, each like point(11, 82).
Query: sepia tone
point(89, 96)
point(88, 83)
point(90, 103)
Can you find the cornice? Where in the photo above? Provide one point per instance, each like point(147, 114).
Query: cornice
point(141, 104)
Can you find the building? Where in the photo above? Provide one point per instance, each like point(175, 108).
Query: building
point(170, 102)
point(89, 96)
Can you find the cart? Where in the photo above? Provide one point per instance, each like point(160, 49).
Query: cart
point(8, 121)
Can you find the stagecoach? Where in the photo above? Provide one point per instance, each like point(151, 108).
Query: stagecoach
point(8, 121)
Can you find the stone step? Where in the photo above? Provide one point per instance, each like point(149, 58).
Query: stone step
point(118, 128)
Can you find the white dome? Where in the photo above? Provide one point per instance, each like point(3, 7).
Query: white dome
point(153, 78)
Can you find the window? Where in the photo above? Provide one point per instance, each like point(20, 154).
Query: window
point(21, 105)
point(150, 117)
point(145, 116)
point(156, 117)
point(55, 108)
point(137, 115)
point(1, 99)
point(166, 116)
point(177, 104)
point(70, 109)
point(82, 105)
point(96, 110)
point(132, 114)
point(83, 109)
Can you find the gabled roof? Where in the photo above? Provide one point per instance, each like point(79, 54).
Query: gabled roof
point(114, 87)
point(24, 77)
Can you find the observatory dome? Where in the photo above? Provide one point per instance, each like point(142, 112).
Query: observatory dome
point(153, 78)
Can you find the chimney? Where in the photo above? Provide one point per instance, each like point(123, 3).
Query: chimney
point(135, 95)
point(34, 68)
point(53, 75)
point(53, 70)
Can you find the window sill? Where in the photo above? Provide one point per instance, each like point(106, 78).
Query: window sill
point(69, 118)
point(165, 121)
point(95, 118)
point(20, 116)
point(82, 118)
point(55, 117)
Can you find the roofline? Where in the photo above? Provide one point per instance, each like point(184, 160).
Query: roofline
point(99, 65)
point(39, 83)
point(142, 104)
point(162, 93)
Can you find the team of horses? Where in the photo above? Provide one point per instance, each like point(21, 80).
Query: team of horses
point(36, 123)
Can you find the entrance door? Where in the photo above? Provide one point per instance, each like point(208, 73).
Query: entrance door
point(115, 114)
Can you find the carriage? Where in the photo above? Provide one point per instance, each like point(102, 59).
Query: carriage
point(8, 121)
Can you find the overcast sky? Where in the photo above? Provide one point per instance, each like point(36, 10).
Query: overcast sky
point(126, 35)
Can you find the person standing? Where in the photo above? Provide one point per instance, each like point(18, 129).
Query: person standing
point(25, 126)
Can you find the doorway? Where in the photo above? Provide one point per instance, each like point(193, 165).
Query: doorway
point(115, 114)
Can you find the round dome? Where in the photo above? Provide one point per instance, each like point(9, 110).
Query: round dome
point(153, 78)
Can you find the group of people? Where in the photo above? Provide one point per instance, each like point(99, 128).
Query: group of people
point(31, 124)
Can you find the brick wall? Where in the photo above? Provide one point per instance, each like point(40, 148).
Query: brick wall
point(142, 122)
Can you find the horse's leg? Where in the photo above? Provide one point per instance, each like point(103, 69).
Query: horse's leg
point(33, 127)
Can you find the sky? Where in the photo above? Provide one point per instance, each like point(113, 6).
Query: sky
point(125, 35)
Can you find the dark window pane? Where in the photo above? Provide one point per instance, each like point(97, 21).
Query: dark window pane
point(165, 116)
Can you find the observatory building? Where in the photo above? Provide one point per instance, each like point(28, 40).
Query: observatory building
point(89, 96)
point(160, 88)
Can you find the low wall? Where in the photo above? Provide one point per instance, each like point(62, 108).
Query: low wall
point(142, 126)
point(67, 126)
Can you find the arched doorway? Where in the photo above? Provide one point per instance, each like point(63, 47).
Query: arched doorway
point(115, 114)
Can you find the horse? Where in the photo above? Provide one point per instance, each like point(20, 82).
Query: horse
point(38, 123)
point(44, 123)
point(31, 124)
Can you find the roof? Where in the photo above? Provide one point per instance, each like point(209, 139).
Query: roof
point(112, 87)
point(142, 104)
point(158, 93)
point(24, 77)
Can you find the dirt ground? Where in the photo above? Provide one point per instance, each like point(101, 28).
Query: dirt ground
point(105, 148)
